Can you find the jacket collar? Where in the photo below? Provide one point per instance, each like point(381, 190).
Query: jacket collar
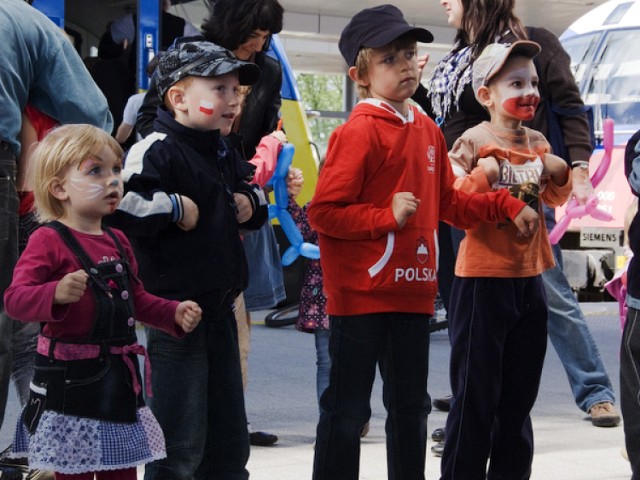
point(206, 141)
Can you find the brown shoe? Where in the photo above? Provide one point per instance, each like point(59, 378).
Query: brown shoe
point(40, 475)
point(604, 414)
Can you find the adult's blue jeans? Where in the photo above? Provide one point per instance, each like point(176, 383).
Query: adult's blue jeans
point(572, 339)
point(198, 398)
point(399, 344)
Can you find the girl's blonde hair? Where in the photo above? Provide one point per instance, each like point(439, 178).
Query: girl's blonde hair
point(364, 59)
point(64, 147)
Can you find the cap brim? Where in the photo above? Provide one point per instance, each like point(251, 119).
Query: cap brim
point(526, 48)
point(248, 73)
point(390, 34)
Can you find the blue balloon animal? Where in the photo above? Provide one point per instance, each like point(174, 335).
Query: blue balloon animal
point(279, 210)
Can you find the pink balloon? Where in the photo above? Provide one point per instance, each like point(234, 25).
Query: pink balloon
point(607, 143)
point(574, 210)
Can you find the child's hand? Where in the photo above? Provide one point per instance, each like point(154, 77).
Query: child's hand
point(491, 169)
point(245, 210)
point(422, 62)
point(188, 315)
point(404, 205)
point(71, 287)
point(295, 181)
point(556, 168)
point(527, 221)
point(191, 214)
point(279, 135)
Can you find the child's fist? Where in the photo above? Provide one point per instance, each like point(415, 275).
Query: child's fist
point(527, 221)
point(188, 315)
point(403, 205)
point(294, 181)
point(71, 287)
point(243, 204)
point(279, 135)
point(491, 169)
point(191, 214)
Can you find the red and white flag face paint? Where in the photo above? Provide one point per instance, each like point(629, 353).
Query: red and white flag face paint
point(206, 107)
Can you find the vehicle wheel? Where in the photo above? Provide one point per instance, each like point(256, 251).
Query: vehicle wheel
point(283, 316)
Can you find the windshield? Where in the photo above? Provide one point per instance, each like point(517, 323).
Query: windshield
point(608, 75)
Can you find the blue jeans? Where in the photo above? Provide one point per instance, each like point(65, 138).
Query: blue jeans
point(572, 339)
point(323, 361)
point(399, 344)
point(630, 388)
point(266, 280)
point(198, 398)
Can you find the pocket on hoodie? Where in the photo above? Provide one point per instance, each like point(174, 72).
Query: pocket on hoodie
point(409, 261)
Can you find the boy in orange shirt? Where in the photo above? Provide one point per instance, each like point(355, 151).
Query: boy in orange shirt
point(498, 309)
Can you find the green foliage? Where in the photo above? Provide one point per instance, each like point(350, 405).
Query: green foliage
point(321, 93)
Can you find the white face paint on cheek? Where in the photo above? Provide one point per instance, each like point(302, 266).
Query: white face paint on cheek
point(91, 189)
point(206, 107)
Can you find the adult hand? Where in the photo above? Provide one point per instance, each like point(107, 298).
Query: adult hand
point(582, 186)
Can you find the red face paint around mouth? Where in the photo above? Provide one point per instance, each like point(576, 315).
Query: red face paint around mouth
point(206, 107)
point(522, 108)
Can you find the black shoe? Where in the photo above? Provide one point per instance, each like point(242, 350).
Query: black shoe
point(438, 435)
point(437, 449)
point(262, 439)
point(442, 404)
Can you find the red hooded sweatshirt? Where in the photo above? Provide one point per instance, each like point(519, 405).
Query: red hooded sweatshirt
point(369, 264)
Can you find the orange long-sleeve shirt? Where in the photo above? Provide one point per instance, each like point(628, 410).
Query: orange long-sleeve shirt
point(493, 249)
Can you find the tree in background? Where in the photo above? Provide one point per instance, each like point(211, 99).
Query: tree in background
point(322, 93)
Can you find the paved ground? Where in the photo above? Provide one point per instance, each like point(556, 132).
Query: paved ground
point(281, 399)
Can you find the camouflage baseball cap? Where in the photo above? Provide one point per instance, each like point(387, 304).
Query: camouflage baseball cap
point(493, 58)
point(201, 59)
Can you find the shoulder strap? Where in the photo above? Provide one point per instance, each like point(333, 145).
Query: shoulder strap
point(79, 252)
point(114, 237)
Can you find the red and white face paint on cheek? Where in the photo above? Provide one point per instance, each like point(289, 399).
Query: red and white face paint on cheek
point(522, 107)
point(206, 107)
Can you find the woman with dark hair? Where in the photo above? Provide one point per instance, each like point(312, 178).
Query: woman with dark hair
point(244, 27)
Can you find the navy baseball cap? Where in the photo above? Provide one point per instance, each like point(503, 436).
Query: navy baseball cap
point(376, 27)
point(201, 59)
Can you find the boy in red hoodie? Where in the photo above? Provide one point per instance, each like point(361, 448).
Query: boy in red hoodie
point(386, 182)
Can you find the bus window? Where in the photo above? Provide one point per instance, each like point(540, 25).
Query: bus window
point(581, 49)
point(614, 84)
